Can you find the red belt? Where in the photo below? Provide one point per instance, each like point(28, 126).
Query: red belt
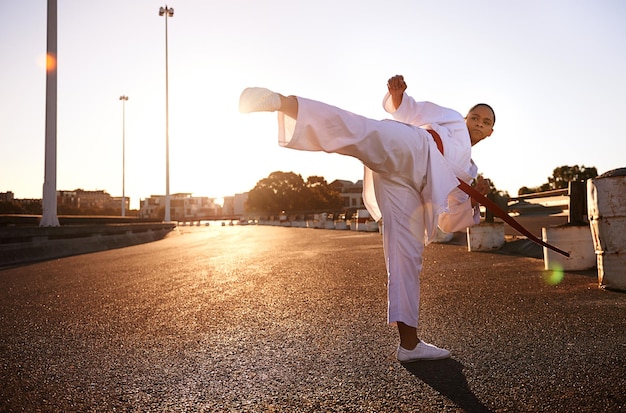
point(493, 207)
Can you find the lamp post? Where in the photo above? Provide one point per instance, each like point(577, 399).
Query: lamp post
point(167, 12)
point(123, 98)
point(49, 216)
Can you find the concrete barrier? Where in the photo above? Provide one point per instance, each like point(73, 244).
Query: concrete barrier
point(486, 236)
point(574, 239)
point(22, 245)
point(607, 217)
point(341, 224)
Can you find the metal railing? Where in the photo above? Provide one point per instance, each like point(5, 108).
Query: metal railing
point(572, 199)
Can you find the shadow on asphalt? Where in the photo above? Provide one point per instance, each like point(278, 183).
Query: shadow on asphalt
point(447, 378)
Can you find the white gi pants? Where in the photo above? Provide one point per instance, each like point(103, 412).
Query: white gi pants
point(397, 154)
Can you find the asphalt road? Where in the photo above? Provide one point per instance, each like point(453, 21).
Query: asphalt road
point(272, 319)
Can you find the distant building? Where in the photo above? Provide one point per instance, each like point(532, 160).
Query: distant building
point(228, 209)
point(11, 205)
point(239, 202)
point(6, 196)
point(351, 193)
point(69, 198)
point(116, 202)
point(183, 207)
point(234, 205)
point(98, 199)
point(28, 201)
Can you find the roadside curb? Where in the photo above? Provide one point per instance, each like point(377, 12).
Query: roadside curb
point(24, 245)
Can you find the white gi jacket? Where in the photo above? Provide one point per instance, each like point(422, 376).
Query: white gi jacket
point(445, 205)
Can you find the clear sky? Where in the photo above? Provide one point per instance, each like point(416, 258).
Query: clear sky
point(554, 71)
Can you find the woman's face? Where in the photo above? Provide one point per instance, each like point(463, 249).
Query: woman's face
point(479, 123)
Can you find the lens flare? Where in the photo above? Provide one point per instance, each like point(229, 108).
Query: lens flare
point(48, 62)
point(51, 63)
point(554, 275)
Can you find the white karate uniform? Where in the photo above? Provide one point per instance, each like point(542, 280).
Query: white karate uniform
point(407, 181)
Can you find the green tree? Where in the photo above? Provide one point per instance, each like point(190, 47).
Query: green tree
point(9, 208)
point(561, 176)
point(16, 207)
point(493, 191)
point(501, 198)
point(526, 190)
point(277, 192)
point(287, 191)
point(318, 195)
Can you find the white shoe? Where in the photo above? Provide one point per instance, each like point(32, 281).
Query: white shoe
point(258, 99)
point(423, 351)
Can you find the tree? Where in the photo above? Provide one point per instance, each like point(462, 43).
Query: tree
point(493, 191)
point(561, 176)
point(287, 191)
point(277, 192)
point(318, 195)
point(501, 198)
point(526, 190)
point(16, 207)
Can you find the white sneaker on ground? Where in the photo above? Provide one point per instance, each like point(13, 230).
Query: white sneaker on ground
point(423, 351)
point(258, 99)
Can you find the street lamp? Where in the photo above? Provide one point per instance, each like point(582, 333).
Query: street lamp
point(123, 98)
point(167, 12)
point(49, 216)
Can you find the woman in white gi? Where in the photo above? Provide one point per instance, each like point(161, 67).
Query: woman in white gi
point(408, 182)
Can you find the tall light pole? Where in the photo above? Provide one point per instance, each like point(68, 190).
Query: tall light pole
point(123, 98)
point(49, 216)
point(167, 12)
